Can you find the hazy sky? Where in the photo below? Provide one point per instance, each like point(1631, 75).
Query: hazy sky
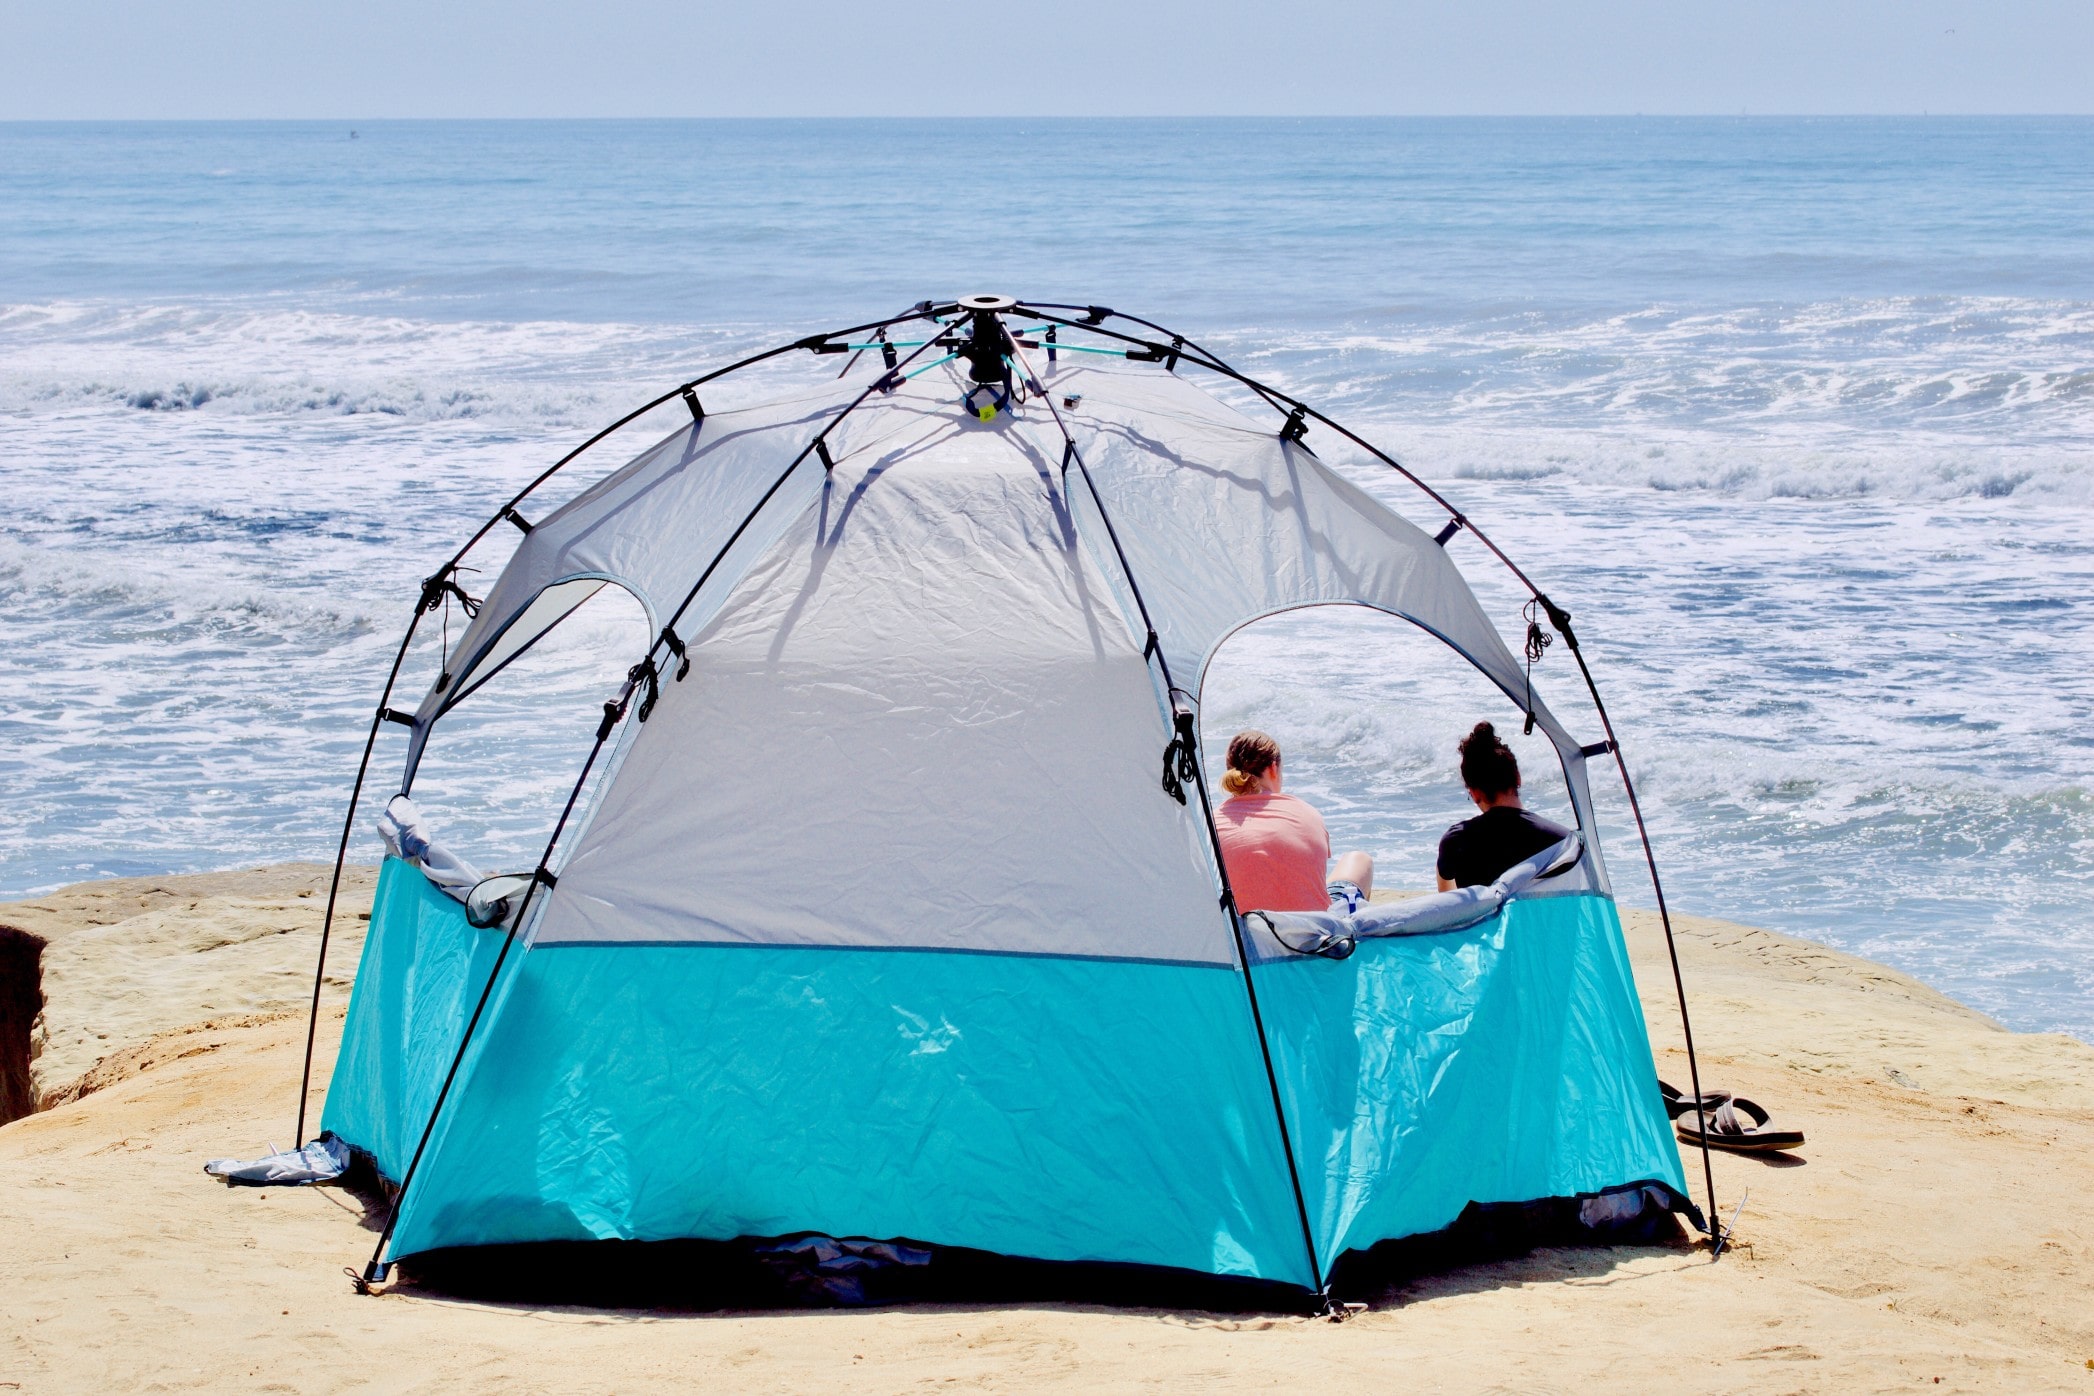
point(378, 58)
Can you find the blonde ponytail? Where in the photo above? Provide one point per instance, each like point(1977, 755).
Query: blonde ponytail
point(1251, 755)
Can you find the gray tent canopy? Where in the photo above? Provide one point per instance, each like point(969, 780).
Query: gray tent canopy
point(941, 622)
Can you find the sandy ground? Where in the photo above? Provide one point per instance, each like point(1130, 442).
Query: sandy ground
point(1936, 1234)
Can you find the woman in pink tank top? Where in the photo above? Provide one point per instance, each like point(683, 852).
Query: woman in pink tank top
point(1274, 846)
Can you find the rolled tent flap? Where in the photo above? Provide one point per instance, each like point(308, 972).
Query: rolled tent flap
point(408, 837)
point(1551, 872)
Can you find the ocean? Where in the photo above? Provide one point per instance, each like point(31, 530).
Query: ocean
point(1795, 416)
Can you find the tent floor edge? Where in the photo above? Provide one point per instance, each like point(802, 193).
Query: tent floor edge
point(760, 1273)
point(1488, 1233)
point(763, 1273)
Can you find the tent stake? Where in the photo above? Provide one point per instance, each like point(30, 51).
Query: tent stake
point(1730, 1229)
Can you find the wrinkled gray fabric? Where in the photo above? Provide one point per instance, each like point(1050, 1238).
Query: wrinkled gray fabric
point(921, 664)
point(321, 1161)
point(925, 692)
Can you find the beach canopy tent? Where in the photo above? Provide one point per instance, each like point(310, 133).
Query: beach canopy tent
point(895, 910)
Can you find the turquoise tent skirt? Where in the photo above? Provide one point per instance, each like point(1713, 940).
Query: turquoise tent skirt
point(1033, 1106)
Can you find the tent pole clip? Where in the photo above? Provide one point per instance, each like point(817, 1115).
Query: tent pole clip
point(1297, 425)
point(821, 448)
point(395, 715)
point(1452, 527)
point(614, 708)
point(1096, 315)
point(1596, 749)
point(677, 648)
point(645, 675)
point(435, 588)
point(690, 400)
point(1181, 763)
point(821, 344)
point(509, 512)
point(1559, 618)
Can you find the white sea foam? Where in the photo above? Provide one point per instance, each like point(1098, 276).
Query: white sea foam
point(1923, 399)
point(1830, 562)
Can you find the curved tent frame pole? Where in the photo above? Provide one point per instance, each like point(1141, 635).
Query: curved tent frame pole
point(1182, 349)
point(341, 856)
point(1151, 645)
point(372, 1273)
point(433, 587)
point(614, 711)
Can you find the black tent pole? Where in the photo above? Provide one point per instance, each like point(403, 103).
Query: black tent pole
point(892, 378)
point(508, 510)
point(1152, 645)
point(1672, 951)
point(372, 1272)
point(334, 886)
point(1188, 351)
point(614, 712)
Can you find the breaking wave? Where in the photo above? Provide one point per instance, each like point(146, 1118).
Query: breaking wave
point(68, 358)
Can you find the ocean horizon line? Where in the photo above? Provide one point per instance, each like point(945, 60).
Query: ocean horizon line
point(1073, 118)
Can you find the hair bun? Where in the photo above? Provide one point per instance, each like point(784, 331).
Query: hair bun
point(1487, 764)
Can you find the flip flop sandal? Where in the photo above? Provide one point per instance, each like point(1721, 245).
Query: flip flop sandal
point(1737, 1124)
point(1677, 1104)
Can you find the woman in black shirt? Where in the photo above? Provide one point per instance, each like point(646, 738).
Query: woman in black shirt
point(1474, 852)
